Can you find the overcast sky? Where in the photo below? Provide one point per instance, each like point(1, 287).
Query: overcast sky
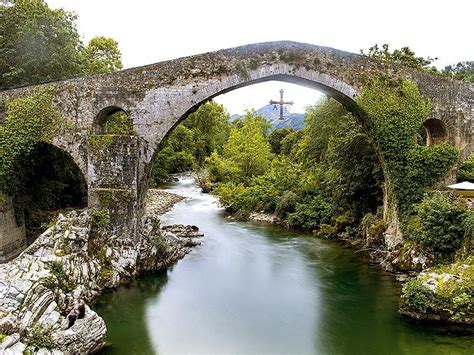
point(151, 31)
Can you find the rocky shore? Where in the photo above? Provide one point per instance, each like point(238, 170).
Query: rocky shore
point(78, 259)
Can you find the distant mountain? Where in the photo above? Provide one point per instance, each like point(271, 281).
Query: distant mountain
point(272, 115)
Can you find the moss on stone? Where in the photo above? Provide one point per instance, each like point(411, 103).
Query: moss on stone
point(97, 143)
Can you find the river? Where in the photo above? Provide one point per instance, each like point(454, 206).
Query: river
point(253, 288)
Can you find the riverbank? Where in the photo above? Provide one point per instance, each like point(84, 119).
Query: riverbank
point(77, 259)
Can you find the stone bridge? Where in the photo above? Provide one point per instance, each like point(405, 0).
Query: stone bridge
point(159, 96)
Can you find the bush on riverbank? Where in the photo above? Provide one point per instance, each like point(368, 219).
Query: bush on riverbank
point(439, 225)
point(443, 293)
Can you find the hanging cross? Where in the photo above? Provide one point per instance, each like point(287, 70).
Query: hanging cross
point(281, 103)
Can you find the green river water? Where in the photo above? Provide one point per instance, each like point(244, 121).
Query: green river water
point(254, 289)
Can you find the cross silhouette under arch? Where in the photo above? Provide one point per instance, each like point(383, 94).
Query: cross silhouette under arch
point(281, 103)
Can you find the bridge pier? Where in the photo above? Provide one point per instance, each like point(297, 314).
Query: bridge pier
point(114, 181)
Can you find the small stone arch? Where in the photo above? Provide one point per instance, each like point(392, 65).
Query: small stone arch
point(113, 120)
point(436, 131)
point(53, 181)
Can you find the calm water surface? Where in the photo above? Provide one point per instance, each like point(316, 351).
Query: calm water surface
point(254, 289)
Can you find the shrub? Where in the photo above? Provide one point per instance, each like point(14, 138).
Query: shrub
point(286, 204)
point(40, 336)
point(438, 224)
point(100, 218)
point(326, 230)
point(417, 295)
point(119, 123)
point(235, 198)
point(466, 171)
point(309, 215)
point(58, 278)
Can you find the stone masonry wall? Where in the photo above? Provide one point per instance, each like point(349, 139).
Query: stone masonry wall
point(12, 236)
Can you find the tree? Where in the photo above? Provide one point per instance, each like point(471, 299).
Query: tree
point(276, 137)
point(248, 147)
point(39, 44)
point(461, 71)
point(403, 56)
point(211, 127)
point(187, 147)
point(102, 56)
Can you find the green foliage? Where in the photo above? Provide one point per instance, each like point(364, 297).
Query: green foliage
point(59, 278)
point(29, 121)
point(40, 336)
point(101, 56)
point(439, 224)
point(286, 204)
point(338, 160)
point(403, 56)
point(325, 174)
point(188, 146)
point(97, 143)
point(248, 148)
point(2, 337)
point(417, 295)
point(468, 226)
point(310, 214)
point(461, 71)
point(453, 292)
point(235, 197)
point(100, 218)
point(210, 127)
point(373, 226)
point(39, 44)
point(290, 142)
point(395, 111)
point(276, 137)
point(119, 124)
point(466, 170)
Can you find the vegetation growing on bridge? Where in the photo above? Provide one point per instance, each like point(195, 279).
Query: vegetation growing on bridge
point(29, 121)
point(405, 56)
point(395, 112)
point(39, 176)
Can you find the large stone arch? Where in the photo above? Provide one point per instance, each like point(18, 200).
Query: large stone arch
point(169, 106)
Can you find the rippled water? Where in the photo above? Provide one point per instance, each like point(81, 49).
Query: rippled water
point(258, 289)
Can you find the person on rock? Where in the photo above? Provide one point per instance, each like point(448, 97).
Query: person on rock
point(78, 311)
point(71, 317)
point(81, 308)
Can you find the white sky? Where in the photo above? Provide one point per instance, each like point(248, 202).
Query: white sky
point(151, 31)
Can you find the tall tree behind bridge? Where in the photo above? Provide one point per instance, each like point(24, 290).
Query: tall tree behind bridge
point(39, 44)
